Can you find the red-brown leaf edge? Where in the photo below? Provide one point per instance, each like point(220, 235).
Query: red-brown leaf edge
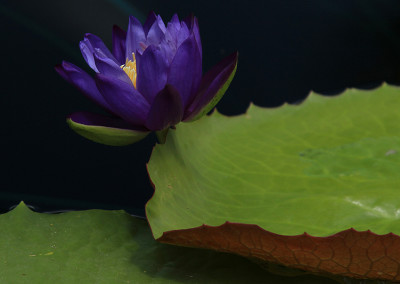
point(351, 253)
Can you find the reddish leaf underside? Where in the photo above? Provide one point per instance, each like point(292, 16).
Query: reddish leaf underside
point(349, 253)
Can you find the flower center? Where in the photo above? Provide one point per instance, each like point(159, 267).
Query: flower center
point(130, 69)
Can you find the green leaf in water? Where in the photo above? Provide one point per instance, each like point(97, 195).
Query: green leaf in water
point(98, 246)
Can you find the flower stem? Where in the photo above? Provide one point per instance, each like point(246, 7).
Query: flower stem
point(162, 135)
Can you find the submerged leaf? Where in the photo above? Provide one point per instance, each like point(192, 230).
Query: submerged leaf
point(324, 167)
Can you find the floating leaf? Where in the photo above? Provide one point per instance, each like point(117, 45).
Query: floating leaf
point(99, 246)
point(324, 167)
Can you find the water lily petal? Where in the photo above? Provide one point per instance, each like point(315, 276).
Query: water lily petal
point(88, 46)
point(156, 32)
point(182, 34)
point(82, 81)
point(152, 71)
point(167, 51)
point(135, 37)
point(151, 18)
point(104, 129)
point(171, 34)
point(176, 33)
point(193, 25)
point(166, 110)
point(123, 99)
point(212, 88)
point(60, 70)
point(119, 44)
point(97, 43)
point(175, 21)
point(108, 67)
point(87, 53)
point(189, 20)
point(185, 70)
point(169, 44)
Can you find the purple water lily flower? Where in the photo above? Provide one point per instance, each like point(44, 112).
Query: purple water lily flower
point(151, 80)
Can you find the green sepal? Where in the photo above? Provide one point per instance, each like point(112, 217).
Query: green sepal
point(107, 135)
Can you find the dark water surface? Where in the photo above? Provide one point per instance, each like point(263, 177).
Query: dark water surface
point(287, 48)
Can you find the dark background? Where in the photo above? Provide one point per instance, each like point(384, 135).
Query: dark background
point(287, 48)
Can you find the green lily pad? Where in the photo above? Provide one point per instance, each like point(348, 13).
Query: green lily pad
point(323, 167)
point(99, 246)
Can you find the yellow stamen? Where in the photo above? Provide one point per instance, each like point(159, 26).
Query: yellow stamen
point(130, 69)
